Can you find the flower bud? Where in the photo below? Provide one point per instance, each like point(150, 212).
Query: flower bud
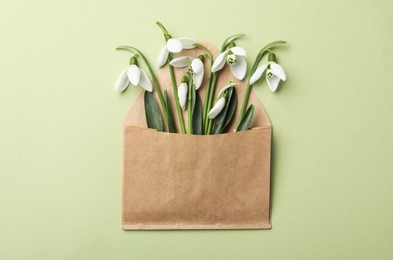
point(218, 107)
point(182, 93)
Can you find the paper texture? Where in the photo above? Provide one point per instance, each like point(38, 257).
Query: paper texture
point(176, 181)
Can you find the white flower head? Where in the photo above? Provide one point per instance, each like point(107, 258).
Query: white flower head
point(195, 66)
point(134, 75)
point(236, 59)
point(182, 92)
point(174, 45)
point(274, 73)
point(217, 108)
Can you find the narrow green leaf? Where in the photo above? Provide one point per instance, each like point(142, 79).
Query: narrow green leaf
point(153, 113)
point(193, 97)
point(246, 120)
point(171, 119)
point(197, 116)
point(231, 109)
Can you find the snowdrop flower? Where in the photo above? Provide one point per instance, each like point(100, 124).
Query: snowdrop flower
point(217, 108)
point(236, 58)
point(195, 65)
point(274, 73)
point(220, 104)
point(135, 75)
point(182, 92)
point(175, 46)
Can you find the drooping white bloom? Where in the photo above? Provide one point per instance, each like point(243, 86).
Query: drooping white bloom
point(136, 76)
point(175, 46)
point(196, 66)
point(182, 93)
point(217, 108)
point(236, 58)
point(274, 73)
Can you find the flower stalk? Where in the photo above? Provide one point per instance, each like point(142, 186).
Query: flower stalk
point(205, 118)
point(152, 75)
point(254, 67)
point(167, 37)
point(190, 105)
point(176, 96)
point(212, 88)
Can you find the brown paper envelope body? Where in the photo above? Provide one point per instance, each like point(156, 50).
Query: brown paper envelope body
point(176, 181)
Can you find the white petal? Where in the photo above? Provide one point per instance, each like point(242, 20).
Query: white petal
point(198, 79)
point(272, 83)
point(217, 108)
point(134, 74)
point(239, 51)
point(182, 93)
point(257, 74)
point(232, 84)
point(278, 71)
point(240, 68)
point(174, 45)
point(197, 65)
point(220, 61)
point(162, 57)
point(187, 42)
point(122, 81)
point(145, 82)
point(181, 62)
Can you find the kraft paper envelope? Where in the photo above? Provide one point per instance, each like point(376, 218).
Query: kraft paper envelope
point(176, 181)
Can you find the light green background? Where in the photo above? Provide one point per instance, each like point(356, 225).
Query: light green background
point(61, 126)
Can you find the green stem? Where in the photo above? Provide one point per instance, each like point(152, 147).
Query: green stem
point(176, 96)
point(205, 105)
point(212, 88)
point(189, 106)
point(231, 39)
point(167, 36)
point(210, 104)
point(155, 81)
point(209, 127)
point(164, 30)
point(208, 86)
point(260, 55)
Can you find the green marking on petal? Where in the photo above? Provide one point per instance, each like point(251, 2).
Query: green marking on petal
point(231, 59)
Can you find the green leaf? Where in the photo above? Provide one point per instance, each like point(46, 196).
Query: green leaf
point(197, 116)
point(171, 119)
point(231, 109)
point(153, 113)
point(246, 120)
